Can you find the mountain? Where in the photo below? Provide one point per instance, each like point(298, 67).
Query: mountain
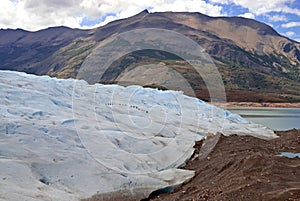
point(256, 63)
point(62, 139)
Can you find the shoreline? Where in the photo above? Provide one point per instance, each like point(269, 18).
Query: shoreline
point(254, 104)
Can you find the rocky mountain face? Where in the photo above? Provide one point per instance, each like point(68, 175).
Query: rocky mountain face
point(256, 63)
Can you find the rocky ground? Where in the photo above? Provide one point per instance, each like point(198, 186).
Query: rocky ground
point(254, 104)
point(240, 168)
point(244, 168)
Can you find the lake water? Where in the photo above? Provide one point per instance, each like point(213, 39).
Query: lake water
point(274, 118)
point(290, 155)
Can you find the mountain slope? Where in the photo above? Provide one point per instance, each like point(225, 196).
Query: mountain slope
point(33, 52)
point(256, 63)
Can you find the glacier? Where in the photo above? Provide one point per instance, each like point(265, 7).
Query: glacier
point(63, 139)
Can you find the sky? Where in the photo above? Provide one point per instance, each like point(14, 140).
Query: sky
point(33, 15)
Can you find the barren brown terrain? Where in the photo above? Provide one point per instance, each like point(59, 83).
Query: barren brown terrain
point(244, 168)
point(253, 104)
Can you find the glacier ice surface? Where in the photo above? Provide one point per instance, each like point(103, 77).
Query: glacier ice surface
point(66, 140)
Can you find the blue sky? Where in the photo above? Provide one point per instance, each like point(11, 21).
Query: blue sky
point(282, 15)
point(284, 21)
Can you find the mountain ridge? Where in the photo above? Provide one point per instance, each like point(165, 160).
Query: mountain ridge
point(244, 51)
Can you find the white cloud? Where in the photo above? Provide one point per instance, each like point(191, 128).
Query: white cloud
point(291, 24)
point(259, 7)
point(38, 14)
point(248, 15)
point(297, 39)
point(278, 18)
point(189, 5)
point(290, 33)
point(221, 1)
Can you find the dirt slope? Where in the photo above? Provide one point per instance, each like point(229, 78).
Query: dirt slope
point(244, 168)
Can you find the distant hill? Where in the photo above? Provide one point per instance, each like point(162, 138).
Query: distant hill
point(256, 63)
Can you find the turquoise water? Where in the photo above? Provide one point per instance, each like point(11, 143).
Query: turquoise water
point(290, 155)
point(274, 118)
